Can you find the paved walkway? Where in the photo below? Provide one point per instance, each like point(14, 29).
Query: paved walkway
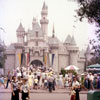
point(43, 96)
point(2, 90)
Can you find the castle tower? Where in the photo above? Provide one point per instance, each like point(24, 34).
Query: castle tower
point(71, 46)
point(67, 40)
point(44, 21)
point(20, 32)
point(33, 22)
point(73, 49)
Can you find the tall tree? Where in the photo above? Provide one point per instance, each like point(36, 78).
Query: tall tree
point(90, 9)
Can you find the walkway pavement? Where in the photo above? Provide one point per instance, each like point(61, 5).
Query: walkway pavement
point(2, 90)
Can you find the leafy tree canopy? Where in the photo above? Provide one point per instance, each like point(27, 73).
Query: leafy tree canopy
point(90, 9)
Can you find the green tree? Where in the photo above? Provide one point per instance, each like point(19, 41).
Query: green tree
point(2, 56)
point(63, 72)
point(90, 9)
point(2, 61)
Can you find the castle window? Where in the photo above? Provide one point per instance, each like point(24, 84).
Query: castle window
point(37, 34)
point(36, 43)
point(43, 17)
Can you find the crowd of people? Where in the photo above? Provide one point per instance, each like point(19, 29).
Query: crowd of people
point(24, 79)
point(40, 78)
point(91, 81)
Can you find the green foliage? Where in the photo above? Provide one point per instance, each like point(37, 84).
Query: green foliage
point(2, 56)
point(90, 9)
point(63, 72)
point(2, 61)
point(72, 71)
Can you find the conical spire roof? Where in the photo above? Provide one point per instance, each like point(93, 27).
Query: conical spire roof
point(73, 42)
point(44, 6)
point(20, 28)
point(68, 39)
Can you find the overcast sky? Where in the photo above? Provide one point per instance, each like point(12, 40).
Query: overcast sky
point(60, 12)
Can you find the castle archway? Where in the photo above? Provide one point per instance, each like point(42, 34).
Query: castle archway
point(37, 63)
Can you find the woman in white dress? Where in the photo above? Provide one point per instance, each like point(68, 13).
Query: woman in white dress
point(61, 83)
point(30, 80)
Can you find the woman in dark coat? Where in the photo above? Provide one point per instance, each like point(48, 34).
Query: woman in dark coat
point(77, 90)
point(14, 88)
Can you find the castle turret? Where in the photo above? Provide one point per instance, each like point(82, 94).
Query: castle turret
point(67, 40)
point(73, 42)
point(73, 52)
point(20, 32)
point(44, 21)
point(34, 22)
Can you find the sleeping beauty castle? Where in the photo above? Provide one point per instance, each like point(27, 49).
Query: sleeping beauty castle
point(35, 47)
